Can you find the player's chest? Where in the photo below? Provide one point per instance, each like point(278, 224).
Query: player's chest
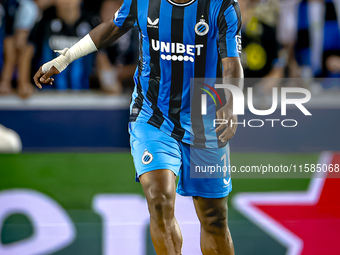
point(163, 21)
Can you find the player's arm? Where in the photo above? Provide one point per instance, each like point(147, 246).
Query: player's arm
point(233, 75)
point(229, 25)
point(100, 37)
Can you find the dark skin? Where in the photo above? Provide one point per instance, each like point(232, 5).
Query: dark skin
point(160, 191)
point(160, 185)
point(232, 74)
point(215, 234)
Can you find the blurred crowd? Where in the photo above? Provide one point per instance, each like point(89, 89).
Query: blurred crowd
point(31, 31)
point(280, 39)
point(291, 39)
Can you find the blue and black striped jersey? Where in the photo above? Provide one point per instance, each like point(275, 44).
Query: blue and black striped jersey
point(179, 42)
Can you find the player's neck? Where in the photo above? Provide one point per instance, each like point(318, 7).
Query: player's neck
point(70, 17)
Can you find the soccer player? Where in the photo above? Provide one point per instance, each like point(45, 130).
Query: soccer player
point(179, 40)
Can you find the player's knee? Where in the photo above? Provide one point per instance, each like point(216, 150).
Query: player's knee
point(215, 222)
point(161, 205)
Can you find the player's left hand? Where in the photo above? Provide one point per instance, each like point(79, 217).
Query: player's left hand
point(226, 113)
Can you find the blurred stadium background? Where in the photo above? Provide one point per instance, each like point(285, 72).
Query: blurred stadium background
point(67, 177)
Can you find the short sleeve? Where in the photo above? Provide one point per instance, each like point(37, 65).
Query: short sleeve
point(126, 15)
point(229, 24)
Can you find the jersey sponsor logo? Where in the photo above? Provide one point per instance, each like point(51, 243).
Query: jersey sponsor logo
point(238, 43)
point(135, 110)
point(147, 157)
point(153, 24)
point(177, 51)
point(202, 28)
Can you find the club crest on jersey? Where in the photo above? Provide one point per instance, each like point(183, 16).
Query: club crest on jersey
point(202, 28)
point(153, 24)
point(147, 157)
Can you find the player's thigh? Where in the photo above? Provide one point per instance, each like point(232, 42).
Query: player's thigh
point(205, 172)
point(153, 150)
point(160, 190)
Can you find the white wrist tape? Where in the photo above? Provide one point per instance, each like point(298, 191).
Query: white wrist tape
point(84, 47)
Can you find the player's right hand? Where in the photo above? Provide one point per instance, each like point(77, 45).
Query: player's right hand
point(41, 78)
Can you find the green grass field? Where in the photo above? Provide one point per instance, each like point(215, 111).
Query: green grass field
point(72, 179)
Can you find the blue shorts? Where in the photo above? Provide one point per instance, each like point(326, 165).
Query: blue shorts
point(199, 169)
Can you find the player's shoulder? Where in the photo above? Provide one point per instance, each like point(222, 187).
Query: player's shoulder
point(224, 2)
point(218, 5)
